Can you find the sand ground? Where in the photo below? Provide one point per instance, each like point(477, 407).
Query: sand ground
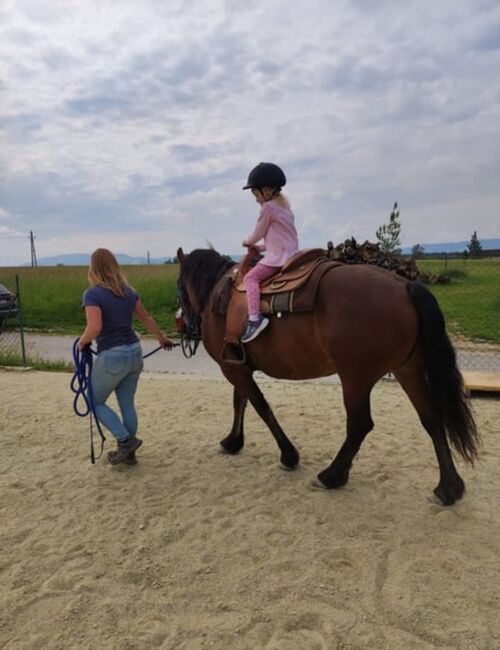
point(193, 549)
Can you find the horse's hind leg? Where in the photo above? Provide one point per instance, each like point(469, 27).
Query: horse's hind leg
point(359, 424)
point(234, 441)
point(411, 376)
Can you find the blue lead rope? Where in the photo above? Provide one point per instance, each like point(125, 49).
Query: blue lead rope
point(81, 385)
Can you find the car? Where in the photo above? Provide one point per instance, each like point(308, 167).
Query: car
point(8, 304)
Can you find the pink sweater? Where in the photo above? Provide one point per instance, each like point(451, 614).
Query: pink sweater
point(276, 225)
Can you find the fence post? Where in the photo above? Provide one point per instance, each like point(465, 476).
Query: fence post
point(20, 316)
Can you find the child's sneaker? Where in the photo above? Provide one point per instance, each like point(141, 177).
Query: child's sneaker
point(254, 328)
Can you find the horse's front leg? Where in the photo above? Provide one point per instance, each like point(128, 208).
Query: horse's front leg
point(234, 441)
point(245, 384)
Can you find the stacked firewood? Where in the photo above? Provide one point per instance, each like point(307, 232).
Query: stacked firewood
point(350, 252)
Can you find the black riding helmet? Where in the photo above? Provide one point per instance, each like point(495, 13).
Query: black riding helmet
point(266, 175)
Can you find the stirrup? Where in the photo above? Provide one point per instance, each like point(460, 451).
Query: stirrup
point(235, 348)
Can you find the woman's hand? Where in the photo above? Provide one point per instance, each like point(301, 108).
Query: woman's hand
point(83, 344)
point(93, 315)
point(165, 342)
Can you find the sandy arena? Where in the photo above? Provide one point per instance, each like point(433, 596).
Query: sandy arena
point(193, 549)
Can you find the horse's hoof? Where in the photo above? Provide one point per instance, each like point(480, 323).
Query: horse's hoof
point(333, 481)
point(316, 484)
point(444, 498)
point(232, 448)
point(450, 492)
point(289, 460)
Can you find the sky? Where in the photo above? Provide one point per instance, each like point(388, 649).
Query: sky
point(133, 125)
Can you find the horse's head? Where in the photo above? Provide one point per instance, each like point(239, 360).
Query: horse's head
point(188, 317)
point(199, 272)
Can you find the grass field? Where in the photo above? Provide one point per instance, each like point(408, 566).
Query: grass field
point(471, 302)
point(51, 296)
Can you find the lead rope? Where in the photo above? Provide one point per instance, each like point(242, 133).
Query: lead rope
point(81, 385)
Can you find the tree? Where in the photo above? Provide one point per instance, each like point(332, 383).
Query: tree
point(388, 233)
point(474, 246)
point(417, 251)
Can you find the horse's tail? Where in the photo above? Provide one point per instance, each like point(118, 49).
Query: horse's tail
point(445, 382)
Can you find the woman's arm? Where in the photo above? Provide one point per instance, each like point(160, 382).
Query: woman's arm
point(94, 326)
point(145, 317)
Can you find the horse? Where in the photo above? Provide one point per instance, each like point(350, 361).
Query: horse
point(367, 322)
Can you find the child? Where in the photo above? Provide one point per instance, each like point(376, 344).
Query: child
point(276, 226)
point(110, 305)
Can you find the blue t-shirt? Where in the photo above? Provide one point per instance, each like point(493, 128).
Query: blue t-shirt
point(117, 315)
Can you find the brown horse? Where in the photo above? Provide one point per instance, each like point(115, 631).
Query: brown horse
point(367, 322)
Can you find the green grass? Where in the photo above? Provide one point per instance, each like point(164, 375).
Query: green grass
point(471, 302)
point(52, 295)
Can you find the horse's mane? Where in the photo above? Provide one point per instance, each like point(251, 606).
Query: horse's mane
point(203, 268)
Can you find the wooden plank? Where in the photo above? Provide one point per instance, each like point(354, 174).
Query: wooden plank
point(488, 382)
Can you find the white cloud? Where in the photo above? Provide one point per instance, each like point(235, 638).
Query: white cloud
point(138, 122)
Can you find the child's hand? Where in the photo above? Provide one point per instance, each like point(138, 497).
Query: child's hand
point(252, 248)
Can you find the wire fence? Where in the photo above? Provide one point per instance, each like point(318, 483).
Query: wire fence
point(12, 346)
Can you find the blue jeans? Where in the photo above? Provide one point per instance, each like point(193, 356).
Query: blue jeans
point(117, 369)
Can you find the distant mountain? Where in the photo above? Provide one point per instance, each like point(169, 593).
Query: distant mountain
point(454, 247)
point(83, 259)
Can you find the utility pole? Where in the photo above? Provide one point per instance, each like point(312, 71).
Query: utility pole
point(33, 251)
point(149, 258)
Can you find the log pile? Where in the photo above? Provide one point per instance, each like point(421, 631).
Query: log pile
point(350, 252)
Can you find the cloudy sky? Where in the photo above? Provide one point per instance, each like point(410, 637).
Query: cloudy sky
point(133, 124)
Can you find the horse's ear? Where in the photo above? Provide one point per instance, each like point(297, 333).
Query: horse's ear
point(180, 255)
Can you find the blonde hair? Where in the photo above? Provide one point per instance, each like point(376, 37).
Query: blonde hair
point(282, 200)
point(270, 195)
point(104, 271)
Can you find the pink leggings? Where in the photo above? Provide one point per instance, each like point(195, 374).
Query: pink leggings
point(252, 282)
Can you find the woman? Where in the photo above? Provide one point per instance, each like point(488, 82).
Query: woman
point(110, 305)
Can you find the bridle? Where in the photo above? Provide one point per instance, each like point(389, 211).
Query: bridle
point(188, 324)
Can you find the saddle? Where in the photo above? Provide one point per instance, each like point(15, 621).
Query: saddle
point(292, 289)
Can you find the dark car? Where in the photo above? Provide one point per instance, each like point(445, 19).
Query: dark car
point(8, 304)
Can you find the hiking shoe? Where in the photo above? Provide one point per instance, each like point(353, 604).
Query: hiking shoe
point(125, 448)
point(130, 460)
point(254, 328)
